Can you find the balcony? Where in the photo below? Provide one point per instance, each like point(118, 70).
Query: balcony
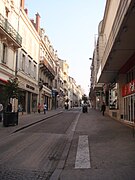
point(47, 68)
point(47, 85)
point(9, 34)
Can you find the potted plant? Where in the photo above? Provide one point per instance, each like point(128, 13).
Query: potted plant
point(10, 94)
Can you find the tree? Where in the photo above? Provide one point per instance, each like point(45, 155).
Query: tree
point(10, 90)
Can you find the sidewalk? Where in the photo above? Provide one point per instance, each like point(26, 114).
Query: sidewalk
point(110, 146)
point(27, 120)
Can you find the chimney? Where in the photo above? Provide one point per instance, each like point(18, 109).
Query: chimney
point(22, 4)
point(38, 23)
point(32, 21)
point(26, 11)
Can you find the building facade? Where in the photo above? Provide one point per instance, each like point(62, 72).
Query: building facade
point(28, 60)
point(47, 72)
point(10, 40)
point(116, 70)
point(27, 54)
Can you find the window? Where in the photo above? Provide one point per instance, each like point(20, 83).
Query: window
point(55, 83)
point(23, 62)
point(113, 96)
point(29, 67)
point(35, 71)
point(4, 54)
point(131, 75)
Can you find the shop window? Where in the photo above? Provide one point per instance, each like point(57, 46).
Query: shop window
point(113, 97)
point(22, 101)
point(129, 108)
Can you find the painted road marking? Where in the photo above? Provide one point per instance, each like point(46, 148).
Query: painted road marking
point(83, 156)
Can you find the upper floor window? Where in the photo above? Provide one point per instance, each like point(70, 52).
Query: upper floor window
point(23, 62)
point(4, 53)
point(35, 71)
point(55, 83)
point(29, 67)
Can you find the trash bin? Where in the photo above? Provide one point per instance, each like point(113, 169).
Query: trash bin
point(10, 118)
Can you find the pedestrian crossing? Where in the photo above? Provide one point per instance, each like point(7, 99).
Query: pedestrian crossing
point(83, 155)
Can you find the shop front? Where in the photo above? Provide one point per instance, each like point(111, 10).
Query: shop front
point(46, 97)
point(128, 93)
point(28, 96)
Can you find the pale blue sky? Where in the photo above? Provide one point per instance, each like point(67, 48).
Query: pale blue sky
point(71, 26)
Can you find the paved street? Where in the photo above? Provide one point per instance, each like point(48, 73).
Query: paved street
point(69, 146)
point(26, 120)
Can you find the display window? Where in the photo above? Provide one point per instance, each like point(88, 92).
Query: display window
point(128, 93)
point(129, 108)
point(113, 97)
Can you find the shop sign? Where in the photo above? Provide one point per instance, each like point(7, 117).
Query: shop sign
point(128, 88)
point(30, 87)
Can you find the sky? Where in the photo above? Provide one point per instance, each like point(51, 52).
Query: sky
point(71, 26)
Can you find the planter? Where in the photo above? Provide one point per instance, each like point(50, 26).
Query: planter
point(10, 118)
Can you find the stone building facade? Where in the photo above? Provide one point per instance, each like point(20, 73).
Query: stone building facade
point(115, 74)
point(27, 54)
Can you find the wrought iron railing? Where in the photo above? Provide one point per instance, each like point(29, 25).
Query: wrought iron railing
point(48, 66)
point(6, 26)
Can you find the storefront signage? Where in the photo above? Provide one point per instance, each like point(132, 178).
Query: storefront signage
point(30, 87)
point(128, 88)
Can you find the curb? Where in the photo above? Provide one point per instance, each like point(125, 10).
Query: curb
point(30, 124)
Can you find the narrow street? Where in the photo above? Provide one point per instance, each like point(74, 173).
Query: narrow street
point(72, 145)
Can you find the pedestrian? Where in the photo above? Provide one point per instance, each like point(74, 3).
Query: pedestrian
point(1, 111)
point(103, 108)
point(45, 108)
point(39, 107)
point(9, 107)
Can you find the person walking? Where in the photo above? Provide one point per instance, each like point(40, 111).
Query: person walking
point(103, 108)
point(45, 108)
point(1, 111)
point(39, 107)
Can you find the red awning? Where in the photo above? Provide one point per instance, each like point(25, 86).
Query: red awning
point(3, 80)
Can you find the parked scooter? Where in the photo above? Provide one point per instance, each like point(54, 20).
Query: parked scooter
point(85, 108)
